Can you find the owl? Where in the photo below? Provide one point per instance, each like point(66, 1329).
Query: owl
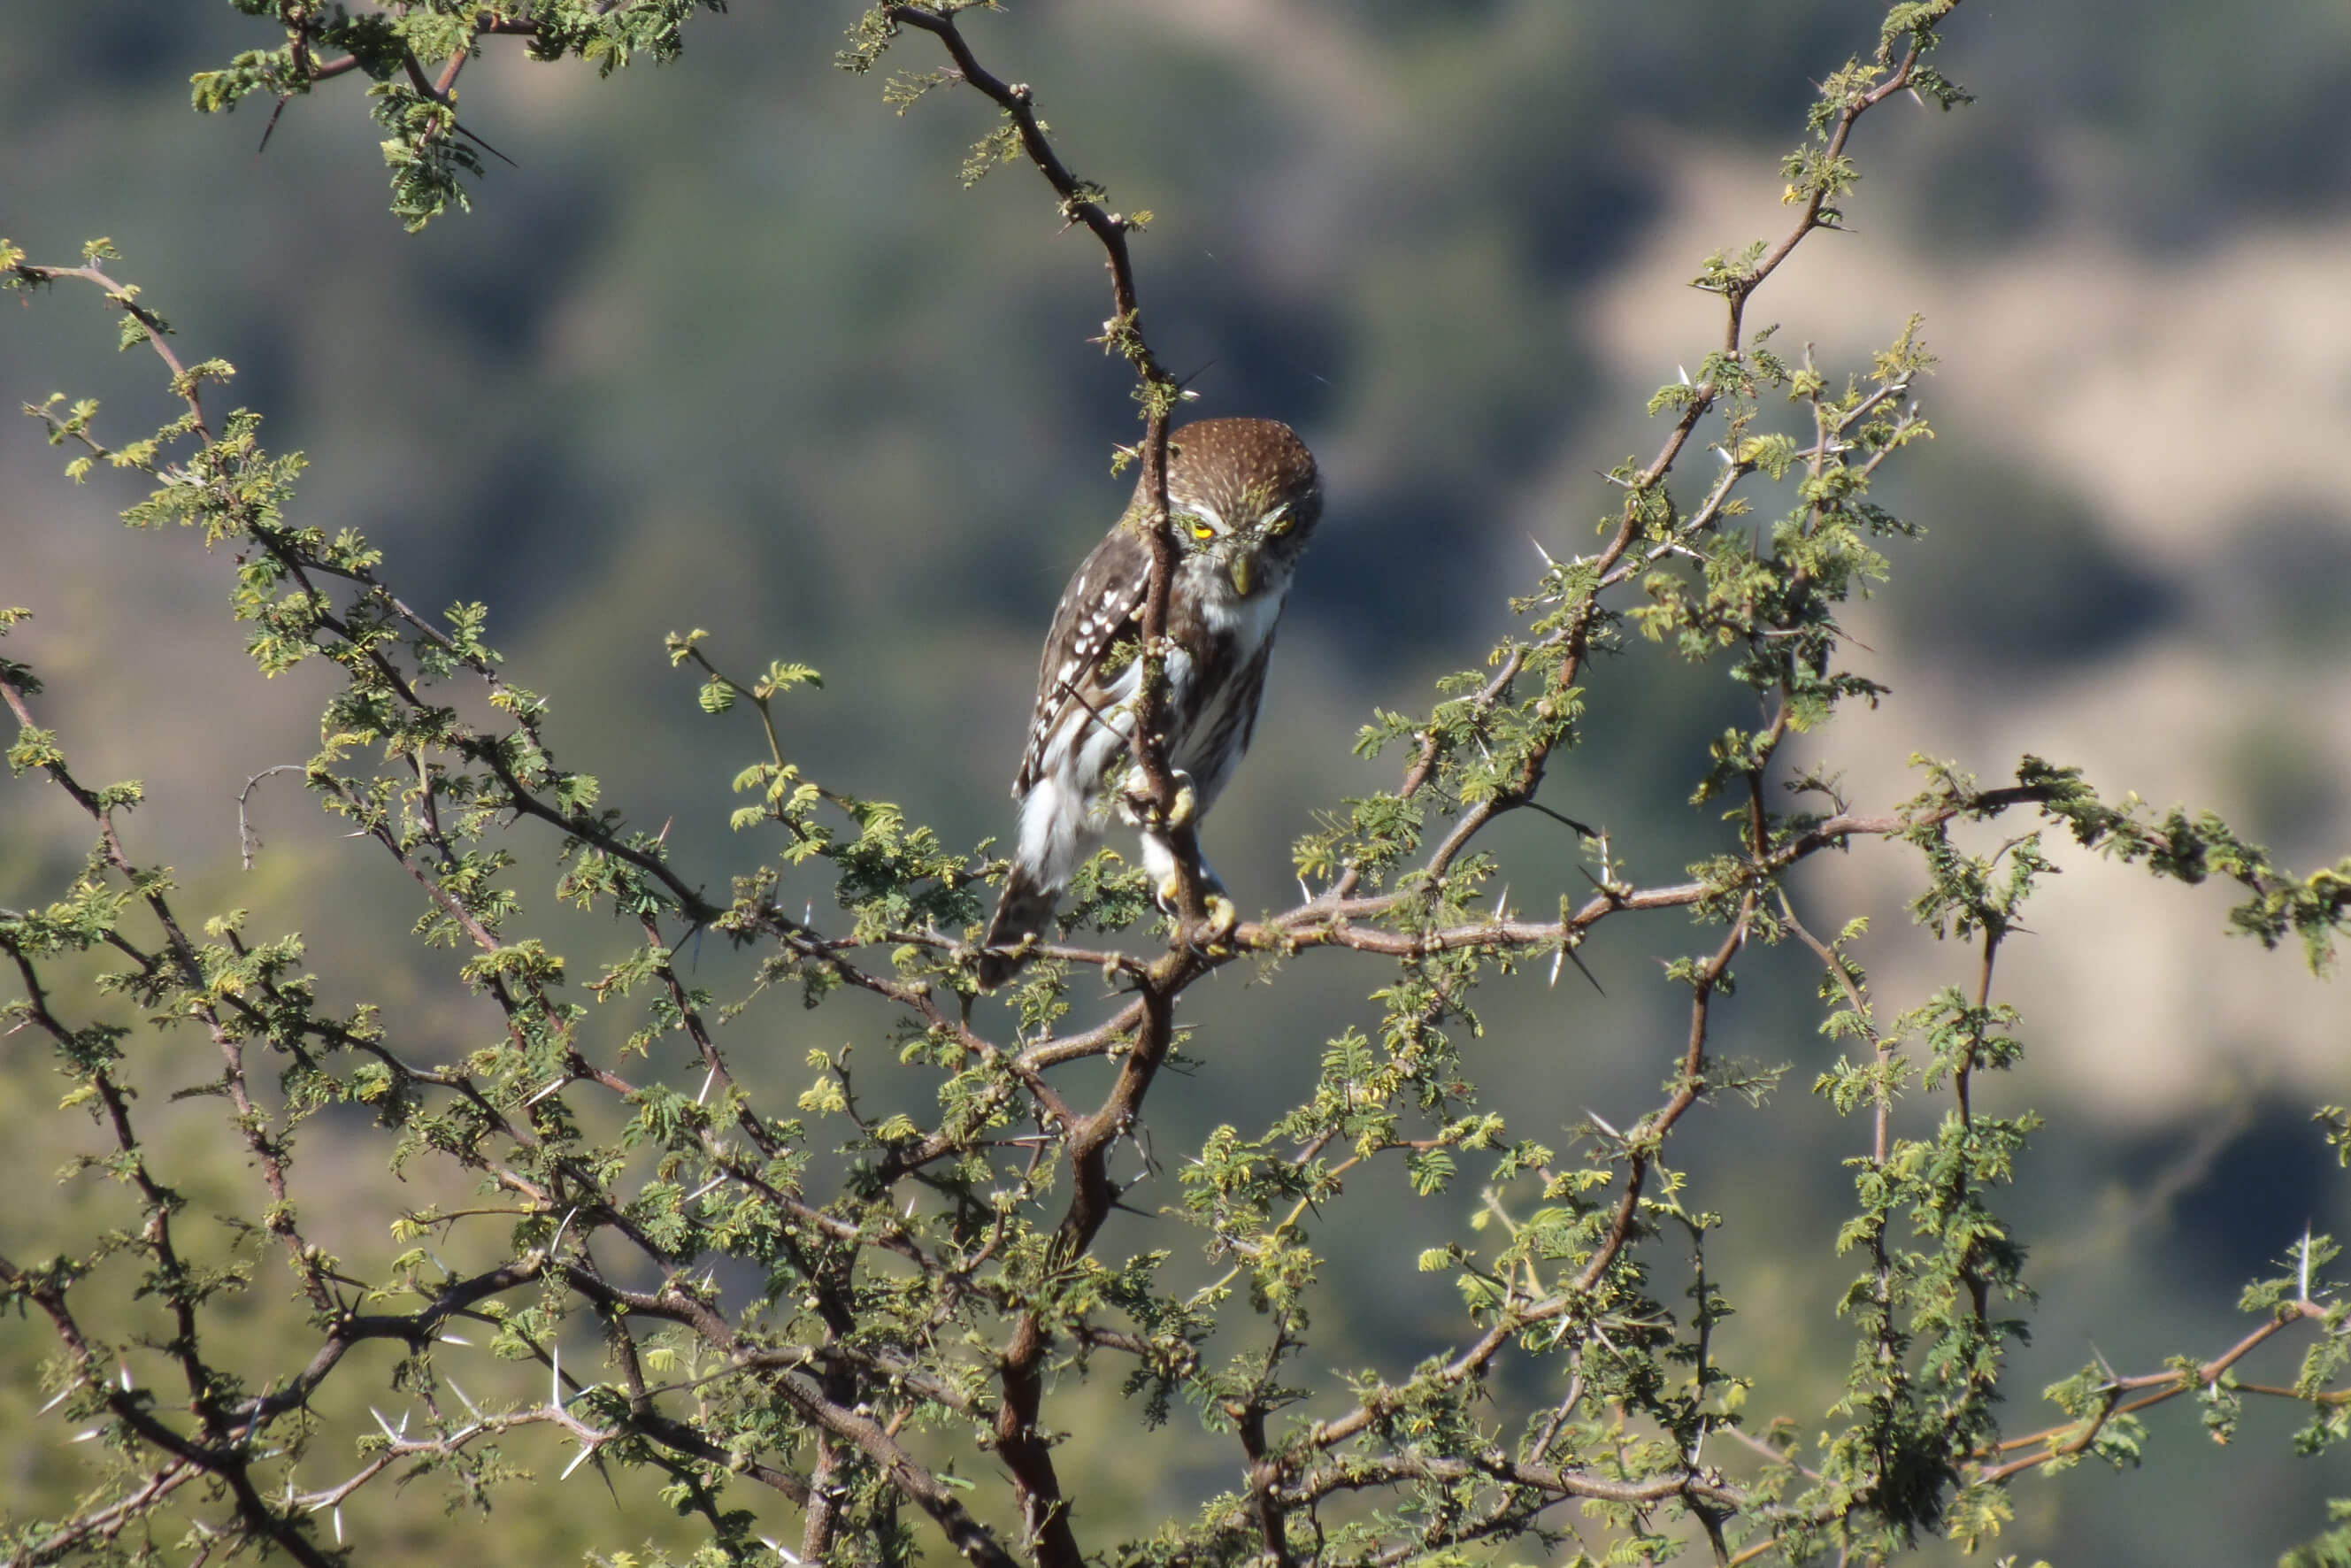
point(1243, 498)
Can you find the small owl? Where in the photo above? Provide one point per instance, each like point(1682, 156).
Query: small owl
point(1243, 498)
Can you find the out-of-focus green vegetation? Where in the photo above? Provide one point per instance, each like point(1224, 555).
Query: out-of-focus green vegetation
point(728, 346)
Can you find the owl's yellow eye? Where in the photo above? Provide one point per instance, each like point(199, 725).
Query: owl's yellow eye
point(1276, 523)
point(1202, 532)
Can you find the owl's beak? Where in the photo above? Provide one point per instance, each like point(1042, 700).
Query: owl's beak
point(1242, 575)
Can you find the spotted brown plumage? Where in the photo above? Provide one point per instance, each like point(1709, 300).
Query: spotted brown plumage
point(1243, 498)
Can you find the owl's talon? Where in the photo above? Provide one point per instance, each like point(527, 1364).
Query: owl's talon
point(1222, 917)
point(1210, 937)
point(1187, 801)
point(1141, 809)
point(1137, 808)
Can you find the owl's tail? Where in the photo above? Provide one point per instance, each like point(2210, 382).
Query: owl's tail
point(1025, 910)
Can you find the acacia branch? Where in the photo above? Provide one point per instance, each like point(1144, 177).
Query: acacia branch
point(1604, 567)
point(2076, 1437)
point(1082, 203)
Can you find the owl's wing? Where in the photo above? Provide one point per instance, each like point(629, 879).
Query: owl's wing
point(1102, 604)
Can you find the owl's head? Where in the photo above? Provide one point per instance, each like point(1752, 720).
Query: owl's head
point(1243, 494)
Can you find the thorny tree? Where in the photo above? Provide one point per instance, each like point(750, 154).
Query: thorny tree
point(924, 1296)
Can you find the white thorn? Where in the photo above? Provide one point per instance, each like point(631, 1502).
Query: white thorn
point(125, 1367)
point(560, 1230)
point(339, 1524)
point(1683, 373)
point(1602, 1122)
point(2305, 1262)
point(583, 1457)
point(86, 1437)
point(466, 1397)
point(555, 1373)
point(910, 1207)
point(1556, 960)
point(708, 1079)
point(63, 1395)
point(382, 1423)
point(453, 1339)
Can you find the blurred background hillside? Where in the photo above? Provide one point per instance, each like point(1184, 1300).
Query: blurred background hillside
point(729, 348)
